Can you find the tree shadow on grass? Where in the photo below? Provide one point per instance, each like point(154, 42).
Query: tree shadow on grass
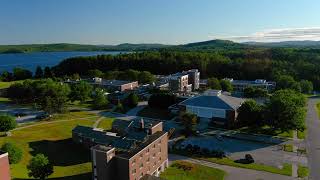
point(87, 176)
point(61, 152)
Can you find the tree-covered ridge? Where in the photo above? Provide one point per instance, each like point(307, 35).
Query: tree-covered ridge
point(301, 64)
point(27, 48)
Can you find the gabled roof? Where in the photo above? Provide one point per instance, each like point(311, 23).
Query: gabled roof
point(219, 102)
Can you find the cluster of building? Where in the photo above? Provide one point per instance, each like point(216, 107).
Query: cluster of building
point(4, 166)
point(133, 149)
point(212, 106)
point(240, 85)
point(181, 82)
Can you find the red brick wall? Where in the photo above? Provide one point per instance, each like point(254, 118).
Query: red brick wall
point(152, 157)
point(4, 167)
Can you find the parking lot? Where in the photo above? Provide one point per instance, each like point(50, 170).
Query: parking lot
point(236, 149)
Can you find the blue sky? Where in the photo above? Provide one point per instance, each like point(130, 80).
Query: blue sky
point(157, 21)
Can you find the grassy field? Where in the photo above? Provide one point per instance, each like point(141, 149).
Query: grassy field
point(302, 134)
point(4, 100)
point(4, 85)
point(181, 170)
point(106, 123)
point(288, 147)
point(303, 171)
point(155, 113)
point(266, 130)
point(318, 109)
point(54, 140)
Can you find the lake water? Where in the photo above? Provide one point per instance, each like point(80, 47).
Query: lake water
point(32, 60)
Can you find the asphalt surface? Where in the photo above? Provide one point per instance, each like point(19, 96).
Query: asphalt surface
point(234, 173)
point(313, 139)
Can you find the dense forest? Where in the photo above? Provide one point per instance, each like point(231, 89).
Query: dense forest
point(237, 63)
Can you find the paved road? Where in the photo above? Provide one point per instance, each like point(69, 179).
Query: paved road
point(234, 173)
point(313, 139)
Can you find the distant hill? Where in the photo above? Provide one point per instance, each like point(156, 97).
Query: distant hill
point(296, 44)
point(212, 45)
point(27, 48)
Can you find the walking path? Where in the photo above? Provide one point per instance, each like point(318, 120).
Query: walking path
point(51, 122)
point(233, 172)
point(95, 125)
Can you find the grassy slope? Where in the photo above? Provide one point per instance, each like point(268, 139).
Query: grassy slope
point(318, 108)
point(106, 123)
point(53, 140)
point(4, 85)
point(194, 173)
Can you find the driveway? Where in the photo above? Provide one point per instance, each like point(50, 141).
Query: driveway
point(234, 173)
point(313, 138)
point(236, 149)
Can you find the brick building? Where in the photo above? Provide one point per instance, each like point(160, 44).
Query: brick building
point(134, 149)
point(4, 166)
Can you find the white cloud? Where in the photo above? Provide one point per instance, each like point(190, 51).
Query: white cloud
point(276, 35)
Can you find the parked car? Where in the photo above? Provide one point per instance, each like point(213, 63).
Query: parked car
point(248, 159)
point(43, 116)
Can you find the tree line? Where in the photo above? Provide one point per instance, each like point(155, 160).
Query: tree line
point(300, 64)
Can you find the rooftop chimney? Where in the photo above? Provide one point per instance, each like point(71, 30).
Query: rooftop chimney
point(142, 123)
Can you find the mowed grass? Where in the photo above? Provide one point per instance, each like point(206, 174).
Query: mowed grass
point(106, 123)
point(181, 170)
point(267, 130)
point(303, 171)
point(53, 140)
point(318, 109)
point(4, 85)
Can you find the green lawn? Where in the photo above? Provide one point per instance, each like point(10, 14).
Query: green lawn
point(303, 171)
point(4, 100)
point(106, 123)
point(4, 85)
point(266, 130)
point(318, 109)
point(181, 170)
point(302, 134)
point(288, 147)
point(53, 140)
point(155, 113)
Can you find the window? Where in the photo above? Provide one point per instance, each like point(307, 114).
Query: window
point(148, 159)
point(134, 171)
point(159, 158)
point(154, 155)
point(141, 155)
point(141, 165)
point(148, 150)
point(134, 162)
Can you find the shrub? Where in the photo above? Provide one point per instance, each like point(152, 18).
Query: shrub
point(15, 153)
point(7, 122)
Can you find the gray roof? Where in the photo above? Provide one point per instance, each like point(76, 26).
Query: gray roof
point(99, 137)
point(219, 102)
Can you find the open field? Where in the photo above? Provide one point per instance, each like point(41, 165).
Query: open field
point(54, 140)
point(4, 85)
point(106, 123)
point(181, 170)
